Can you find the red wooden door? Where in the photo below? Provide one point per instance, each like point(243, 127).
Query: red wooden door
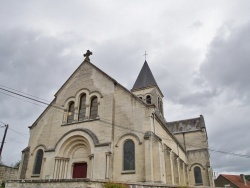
point(80, 170)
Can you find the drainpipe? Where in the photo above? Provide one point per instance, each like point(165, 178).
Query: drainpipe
point(153, 116)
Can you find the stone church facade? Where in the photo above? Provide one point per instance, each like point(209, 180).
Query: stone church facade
point(96, 128)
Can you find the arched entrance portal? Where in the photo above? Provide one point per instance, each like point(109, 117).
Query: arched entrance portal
point(73, 160)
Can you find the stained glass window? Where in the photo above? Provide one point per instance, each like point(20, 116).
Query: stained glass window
point(129, 155)
point(82, 108)
point(197, 175)
point(38, 162)
point(93, 108)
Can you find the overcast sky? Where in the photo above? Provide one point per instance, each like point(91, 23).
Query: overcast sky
point(197, 50)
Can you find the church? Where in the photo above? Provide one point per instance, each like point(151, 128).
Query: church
point(96, 128)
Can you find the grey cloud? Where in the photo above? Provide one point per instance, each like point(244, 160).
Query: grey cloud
point(176, 74)
point(227, 61)
point(34, 63)
point(229, 164)
point(196, 24)
point(28, 56)
point(228, 132)
point(199, 98)
point(123, 58)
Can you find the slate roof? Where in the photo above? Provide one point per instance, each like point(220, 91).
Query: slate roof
point(186, 125)
point(236, 180)
point(145, 78)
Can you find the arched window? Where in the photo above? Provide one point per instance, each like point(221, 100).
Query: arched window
point(129, 155)
point(38, 162)
point(71, 113)
point(197, 175)
point(140, 98)
point(82, 108)
point(93, 108)
point(161, 105)
point(148, 99)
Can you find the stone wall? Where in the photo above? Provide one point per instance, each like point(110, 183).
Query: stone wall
point(7, 173)
point(76, 183)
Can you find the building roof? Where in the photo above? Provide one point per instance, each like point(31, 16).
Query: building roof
point(145, 78)
point(186, 125)
point(236, 180)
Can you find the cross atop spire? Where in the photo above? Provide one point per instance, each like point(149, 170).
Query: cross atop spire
point(145, 55)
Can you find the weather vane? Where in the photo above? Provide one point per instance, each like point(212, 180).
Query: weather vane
point(145, 55)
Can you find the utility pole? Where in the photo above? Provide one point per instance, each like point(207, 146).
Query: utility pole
point(5, 132)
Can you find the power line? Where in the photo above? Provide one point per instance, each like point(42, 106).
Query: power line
point(3, 123)
point(120, 126)
point(230, 153)
point(24, 93)
point(22, 99)
point(23, 96)
point(29, 98)
point(21, 134)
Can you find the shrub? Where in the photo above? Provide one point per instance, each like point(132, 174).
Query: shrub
point(115, 185)
point(2, 185)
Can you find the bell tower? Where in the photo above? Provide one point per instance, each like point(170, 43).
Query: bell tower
point(146, 88)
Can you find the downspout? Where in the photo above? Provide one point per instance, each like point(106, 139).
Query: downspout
point(153, 116)
point(184, 141)
point(113, 133)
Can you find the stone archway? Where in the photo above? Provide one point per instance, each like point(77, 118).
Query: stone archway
point(73, 158)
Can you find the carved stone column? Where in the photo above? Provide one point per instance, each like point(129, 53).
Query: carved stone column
point(148, 157)
point(55, 167)
point(108, 154)
point(162, 162)
point(87, 114)
point(75, 114)
point(172, 166)
point(60, 168)
point(91, 158)
point(178, 170)
point(183, 172)
point(168, 165)
point(65, 115)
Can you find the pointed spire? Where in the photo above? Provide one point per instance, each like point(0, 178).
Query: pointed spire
point(145, 78)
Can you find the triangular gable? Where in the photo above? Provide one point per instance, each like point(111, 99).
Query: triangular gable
point(72, 75)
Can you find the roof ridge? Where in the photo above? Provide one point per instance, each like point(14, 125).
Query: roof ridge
point(184, 119)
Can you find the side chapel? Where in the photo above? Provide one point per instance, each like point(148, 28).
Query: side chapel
point(96, 128)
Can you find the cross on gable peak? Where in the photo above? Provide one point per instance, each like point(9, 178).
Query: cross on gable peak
point(87, 54)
